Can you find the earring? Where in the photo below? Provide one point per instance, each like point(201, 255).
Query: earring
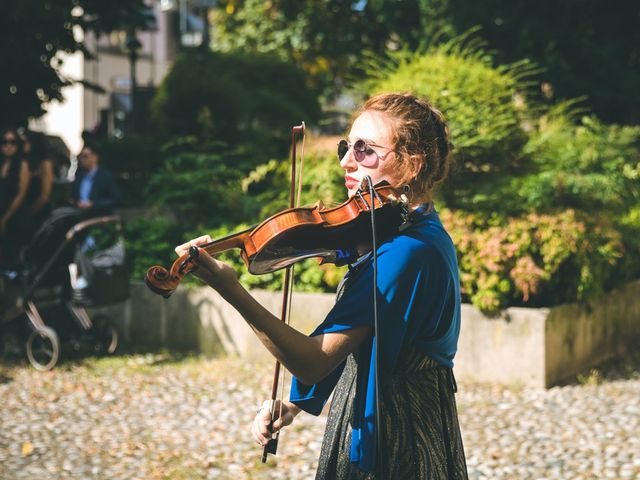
point(403, 197)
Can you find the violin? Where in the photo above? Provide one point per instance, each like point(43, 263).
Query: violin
point(296, 234)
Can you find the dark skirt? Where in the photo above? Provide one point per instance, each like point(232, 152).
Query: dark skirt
point(421, 435)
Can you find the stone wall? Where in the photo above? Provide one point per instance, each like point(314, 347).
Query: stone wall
point(522, 346)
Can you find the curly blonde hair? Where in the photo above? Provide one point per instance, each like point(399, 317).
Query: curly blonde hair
point(421, 141)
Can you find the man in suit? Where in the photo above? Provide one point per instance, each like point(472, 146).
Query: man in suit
point(94, 190)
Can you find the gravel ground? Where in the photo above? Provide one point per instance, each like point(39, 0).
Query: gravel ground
point(158, 417)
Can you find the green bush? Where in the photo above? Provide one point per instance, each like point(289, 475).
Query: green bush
point(484, 106)
point(150, 242)
point(581, 163)
point(198, 183)
point(268, 184)
point(245, 101)
point(217, 117)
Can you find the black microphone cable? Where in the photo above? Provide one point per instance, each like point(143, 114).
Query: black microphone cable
point(379, 466)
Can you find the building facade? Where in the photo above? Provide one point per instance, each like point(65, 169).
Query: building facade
point(101, 100)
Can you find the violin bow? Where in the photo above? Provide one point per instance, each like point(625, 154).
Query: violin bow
point(272, 445)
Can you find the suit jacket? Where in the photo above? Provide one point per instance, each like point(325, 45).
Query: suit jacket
point(104, 192)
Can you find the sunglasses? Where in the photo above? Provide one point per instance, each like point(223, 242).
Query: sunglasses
point(9, 141)
point(362, 151)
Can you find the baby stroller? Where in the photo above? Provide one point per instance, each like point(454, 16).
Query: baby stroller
point(72, 262)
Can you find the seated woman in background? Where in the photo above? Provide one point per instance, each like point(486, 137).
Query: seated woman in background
point(38, 199)
point(14, 183)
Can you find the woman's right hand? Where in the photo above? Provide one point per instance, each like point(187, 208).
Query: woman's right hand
point(261, 428)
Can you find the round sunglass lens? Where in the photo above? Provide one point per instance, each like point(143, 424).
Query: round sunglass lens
point(359, 149)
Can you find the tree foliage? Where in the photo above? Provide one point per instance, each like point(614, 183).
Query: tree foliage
point(320, 37)
point(34, 35)
point(585, 49)
point(327, 38)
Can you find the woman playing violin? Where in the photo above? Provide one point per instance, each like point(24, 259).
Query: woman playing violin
point(404, 140)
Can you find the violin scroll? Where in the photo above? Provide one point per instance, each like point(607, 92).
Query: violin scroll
point(164, 282)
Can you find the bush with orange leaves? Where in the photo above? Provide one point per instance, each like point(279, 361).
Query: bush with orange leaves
point(533, 260)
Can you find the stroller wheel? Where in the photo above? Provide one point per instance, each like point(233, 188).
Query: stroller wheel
point(43, 348)
point(106, 336)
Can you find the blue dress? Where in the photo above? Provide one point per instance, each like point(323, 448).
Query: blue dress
point(419, 324)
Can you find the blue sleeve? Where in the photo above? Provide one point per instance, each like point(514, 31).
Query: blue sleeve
point(407, 269)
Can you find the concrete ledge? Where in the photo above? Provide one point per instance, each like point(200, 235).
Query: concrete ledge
point(523, 346)
point(508, 349)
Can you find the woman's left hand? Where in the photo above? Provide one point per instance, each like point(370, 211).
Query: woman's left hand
point(214, 273)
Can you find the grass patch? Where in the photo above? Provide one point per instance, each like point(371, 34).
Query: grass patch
point(593, 377)
point(178, 468)
point(621, 368)
point(146, 364)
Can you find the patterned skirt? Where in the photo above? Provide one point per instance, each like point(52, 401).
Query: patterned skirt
point(421, 435)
